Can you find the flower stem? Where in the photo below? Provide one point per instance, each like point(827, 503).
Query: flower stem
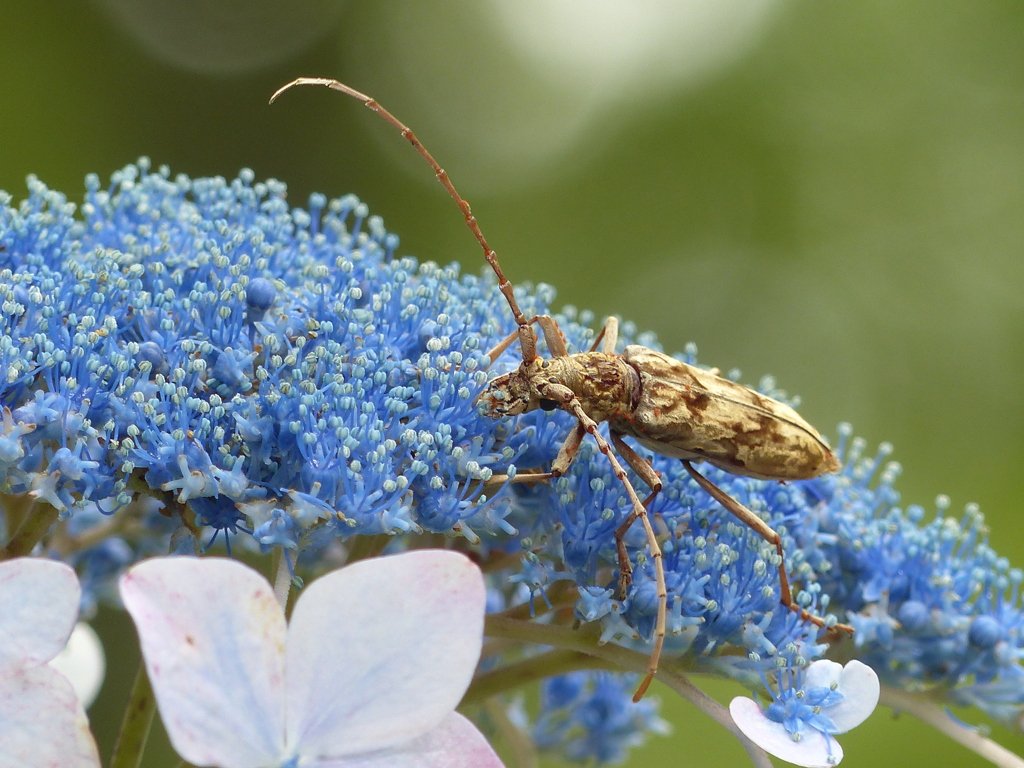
point(585, 641)
point(930, 713)
point(561, 594)
point(67, 545)
point(528, 671)
point(15, 508)
point(524, 752)
point(35, 525)
point(138, 717)
point(364, 547)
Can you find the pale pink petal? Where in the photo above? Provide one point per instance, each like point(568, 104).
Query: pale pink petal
point(381, 651)
point(42, 724)
point(856, 681)
point(455, 743)
point(213, 637)
point(814, 750)
point(82, 663)
point(38, 607)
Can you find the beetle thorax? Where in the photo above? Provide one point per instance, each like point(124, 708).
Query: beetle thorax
point(605, 385)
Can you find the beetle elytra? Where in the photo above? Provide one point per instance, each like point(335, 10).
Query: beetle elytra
point(672, 408)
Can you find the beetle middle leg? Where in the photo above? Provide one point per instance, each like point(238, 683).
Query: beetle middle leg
point(607, 339)
point(766, 532)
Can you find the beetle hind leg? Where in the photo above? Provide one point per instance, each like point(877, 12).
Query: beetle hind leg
point(766, 532)
point(643, 468)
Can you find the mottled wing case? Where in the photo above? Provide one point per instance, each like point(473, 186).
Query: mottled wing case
point(690, 413)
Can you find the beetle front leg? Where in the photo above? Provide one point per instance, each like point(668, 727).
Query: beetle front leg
point(552, 335)
point(501, 346)
point(766, 532)
point(566, 455)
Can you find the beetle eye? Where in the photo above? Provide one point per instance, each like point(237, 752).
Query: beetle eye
point(548, 405)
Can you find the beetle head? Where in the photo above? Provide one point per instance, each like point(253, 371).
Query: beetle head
point(509, 395)
point(515, 393)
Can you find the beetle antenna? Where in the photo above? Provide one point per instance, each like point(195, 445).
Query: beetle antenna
point(527, 340)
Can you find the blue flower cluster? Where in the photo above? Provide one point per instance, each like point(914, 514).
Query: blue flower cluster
point(933, 605)
point(589, 717)
point(272, 371)
point(190, 360)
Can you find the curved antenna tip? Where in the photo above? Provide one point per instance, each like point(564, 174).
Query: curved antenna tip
point(300, 81)
point(326, 81)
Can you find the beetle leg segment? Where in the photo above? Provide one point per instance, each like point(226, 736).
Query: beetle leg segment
point(649, 476)
point(501, 346)
point(522, 477)
point(566, 455)
point(552, 335)
point(609, 334)
point(638, 464)
point(766, 532)
point(571, 403)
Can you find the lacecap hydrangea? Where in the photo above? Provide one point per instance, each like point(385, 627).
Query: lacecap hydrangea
point(192, 363)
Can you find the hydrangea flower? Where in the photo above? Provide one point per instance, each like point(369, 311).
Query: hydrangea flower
point(811, 706)
point(42, 722)
point(590, 716)
point(197, 365)
point(366, 674)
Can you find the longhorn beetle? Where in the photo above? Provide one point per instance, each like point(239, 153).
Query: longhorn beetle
point(670, 407)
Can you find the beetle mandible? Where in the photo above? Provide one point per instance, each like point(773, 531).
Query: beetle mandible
point(672, 408)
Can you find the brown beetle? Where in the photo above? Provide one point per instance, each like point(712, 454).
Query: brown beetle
point(672, 408)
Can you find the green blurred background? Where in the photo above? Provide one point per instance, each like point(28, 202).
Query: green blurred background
point(830, 192)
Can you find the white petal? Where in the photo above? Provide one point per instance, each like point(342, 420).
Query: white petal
point(381, 651)
point(813, 750)
point(822, 673)
point(455, 743)
point(859, 685)
point(38, 607)
point(82, 663)
point(213, 636)
point(42, 725)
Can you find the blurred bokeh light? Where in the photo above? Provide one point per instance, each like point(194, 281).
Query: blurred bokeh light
point(828, 192)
